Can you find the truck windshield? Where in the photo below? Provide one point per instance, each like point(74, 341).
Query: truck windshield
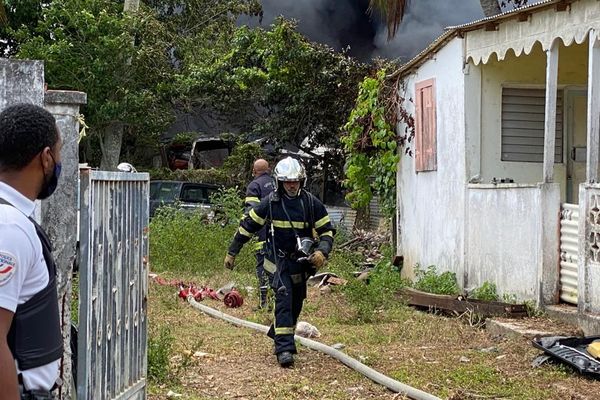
point(164, 191)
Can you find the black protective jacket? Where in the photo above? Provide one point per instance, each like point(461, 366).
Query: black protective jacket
point(289, 219)
point(261, 187)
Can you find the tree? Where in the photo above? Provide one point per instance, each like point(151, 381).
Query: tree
point(393, 11)
point(14, 15)
point(277, 85)
point(125, 62)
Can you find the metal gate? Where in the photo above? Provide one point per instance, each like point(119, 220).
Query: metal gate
point(569, 249)
point(114, 209)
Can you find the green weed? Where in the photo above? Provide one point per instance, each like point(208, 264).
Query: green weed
point(159, 353)
point(428, 280)
point(486, 292)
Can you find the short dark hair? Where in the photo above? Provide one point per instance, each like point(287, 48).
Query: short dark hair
point(25, 130)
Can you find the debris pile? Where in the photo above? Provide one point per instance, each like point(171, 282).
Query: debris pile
point(368, 244)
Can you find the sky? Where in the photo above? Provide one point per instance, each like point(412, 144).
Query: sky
point(343, 23)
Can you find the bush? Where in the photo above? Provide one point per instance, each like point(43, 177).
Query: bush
point(428, 280)
point(228, 205)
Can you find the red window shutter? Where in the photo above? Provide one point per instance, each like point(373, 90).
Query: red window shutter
point(425, 129)
point(419, 129)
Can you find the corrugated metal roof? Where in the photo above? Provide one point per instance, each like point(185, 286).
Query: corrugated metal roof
point(452, 31)
point(507, 14)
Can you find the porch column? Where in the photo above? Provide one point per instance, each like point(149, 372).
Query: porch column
point(593, 111)
point(550, 119)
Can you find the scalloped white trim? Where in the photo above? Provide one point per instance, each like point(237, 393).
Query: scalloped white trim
point(543, 27)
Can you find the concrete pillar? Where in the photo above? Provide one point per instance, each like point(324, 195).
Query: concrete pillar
point(59, 212)
point(21, 81)
point(593, 114)
point(473, 103)
point(550, 119)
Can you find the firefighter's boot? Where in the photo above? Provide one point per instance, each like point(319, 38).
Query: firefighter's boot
point(285, 359)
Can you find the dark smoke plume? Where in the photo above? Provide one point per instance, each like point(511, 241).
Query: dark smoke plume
point(343, 23)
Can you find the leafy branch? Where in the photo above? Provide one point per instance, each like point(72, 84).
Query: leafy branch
point(371, 142)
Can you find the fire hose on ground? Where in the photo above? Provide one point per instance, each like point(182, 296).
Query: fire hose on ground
point(377, 377)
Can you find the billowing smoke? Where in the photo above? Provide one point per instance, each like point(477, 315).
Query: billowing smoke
point(342, 23)
point(424, 21)
point(337, 23)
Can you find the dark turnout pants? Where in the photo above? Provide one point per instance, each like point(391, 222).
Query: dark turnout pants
point(261, 275)
point(288, 303)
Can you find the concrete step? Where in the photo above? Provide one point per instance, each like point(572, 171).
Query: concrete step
point(530, 327)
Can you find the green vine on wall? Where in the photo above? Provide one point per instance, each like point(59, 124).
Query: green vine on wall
point(371, 143)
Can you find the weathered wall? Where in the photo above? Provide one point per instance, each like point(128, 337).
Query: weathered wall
point(513, 239)
point(21, 82)
point(431, 204)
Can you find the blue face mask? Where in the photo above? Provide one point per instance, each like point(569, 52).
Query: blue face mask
point(50, 183)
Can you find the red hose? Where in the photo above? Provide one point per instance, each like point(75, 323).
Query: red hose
point(233, 299)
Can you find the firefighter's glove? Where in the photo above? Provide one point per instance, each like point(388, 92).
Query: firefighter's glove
point(317, 259)
point(229, 262)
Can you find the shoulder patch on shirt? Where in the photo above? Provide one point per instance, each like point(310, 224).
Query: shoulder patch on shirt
point(8, 266)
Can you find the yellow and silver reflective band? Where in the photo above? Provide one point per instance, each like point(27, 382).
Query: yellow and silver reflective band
point(285, 331)
point(269, 266)
point(252, 200)
point(259, 245)
point(322, 221)
point(288, 225)
point(244, 232)
point(327, 233)
point(256, 218)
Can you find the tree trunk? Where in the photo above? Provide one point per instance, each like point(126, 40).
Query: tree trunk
point(490, 7)
point(112, 139)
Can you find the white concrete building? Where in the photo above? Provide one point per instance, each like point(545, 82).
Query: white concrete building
point(507, 113)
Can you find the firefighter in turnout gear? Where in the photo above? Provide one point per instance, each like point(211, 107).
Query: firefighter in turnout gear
point(258, 189)
point(299, 239)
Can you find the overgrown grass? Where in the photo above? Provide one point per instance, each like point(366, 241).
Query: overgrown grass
point(189, 243)
point(375, 294)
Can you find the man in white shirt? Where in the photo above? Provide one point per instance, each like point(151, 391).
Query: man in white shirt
point(30, 336)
